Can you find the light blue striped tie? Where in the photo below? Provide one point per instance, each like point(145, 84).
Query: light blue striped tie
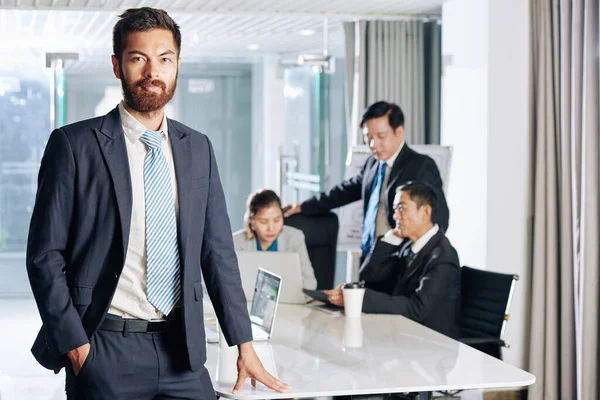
point(163, 277)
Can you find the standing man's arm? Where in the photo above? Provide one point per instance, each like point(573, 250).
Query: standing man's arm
point(346, 192)
point(224, 285)
point(46, 245)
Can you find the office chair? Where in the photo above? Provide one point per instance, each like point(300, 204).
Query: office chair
point(320, 232)
point(485, 306)
point(484, 311)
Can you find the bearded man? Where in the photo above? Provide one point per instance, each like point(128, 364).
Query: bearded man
point(129, 217)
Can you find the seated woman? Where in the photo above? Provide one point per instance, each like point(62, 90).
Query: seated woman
point(265, 232)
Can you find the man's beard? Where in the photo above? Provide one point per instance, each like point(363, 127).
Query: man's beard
point(142, 100)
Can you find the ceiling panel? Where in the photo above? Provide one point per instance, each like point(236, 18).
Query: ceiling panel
point(312, 7)
point(224, 34)
point(216, 28)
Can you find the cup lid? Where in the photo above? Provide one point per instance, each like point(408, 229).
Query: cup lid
point(354, 285)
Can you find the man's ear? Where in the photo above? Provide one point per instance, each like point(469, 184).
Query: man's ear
point(116, 69)
point(427, 210)
point(399, 131)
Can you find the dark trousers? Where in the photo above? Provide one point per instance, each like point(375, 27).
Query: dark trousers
point(138, 366)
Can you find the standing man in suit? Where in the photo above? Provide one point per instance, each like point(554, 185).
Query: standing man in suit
point(129, 215)
point(413, 270)
point(393, 163)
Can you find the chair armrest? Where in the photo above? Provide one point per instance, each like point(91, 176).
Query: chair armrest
point(483, 340)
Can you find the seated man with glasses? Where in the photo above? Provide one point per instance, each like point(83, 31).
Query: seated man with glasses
point(413, 270)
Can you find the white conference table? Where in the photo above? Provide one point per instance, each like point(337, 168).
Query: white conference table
point(317, 355)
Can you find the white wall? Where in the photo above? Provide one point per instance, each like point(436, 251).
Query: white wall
point(464, 124)
point(485, 116)
point(509, 162)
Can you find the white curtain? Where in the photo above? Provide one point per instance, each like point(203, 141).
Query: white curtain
point(565, 291)
point(392, 65)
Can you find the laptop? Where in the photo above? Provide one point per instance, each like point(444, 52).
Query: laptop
point(284, 264)
point(264, 304)
point(267, 290)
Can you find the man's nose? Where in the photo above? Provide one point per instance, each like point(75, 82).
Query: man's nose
point(151, 70)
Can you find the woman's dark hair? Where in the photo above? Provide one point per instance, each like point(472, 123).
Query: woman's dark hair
point(140, 20)
point(258, 200)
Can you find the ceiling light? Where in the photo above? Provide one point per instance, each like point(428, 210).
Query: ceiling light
point(253, 47)
point(307, 32)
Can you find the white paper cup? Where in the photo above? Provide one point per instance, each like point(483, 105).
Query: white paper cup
point(353, 299)
point(353, 333)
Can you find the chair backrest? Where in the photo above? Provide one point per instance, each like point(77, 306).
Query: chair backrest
point(485, 305)
point(320, 232)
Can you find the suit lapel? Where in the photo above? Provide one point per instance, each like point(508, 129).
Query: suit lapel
point(112, 144)
point(182, 158)
point(418, 262)
point(398, 167)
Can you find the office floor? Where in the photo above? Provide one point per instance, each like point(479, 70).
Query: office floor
point(21, 377)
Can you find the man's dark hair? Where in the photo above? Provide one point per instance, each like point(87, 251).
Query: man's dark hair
point(382, 108)
point(421, 193)
point(140, 20)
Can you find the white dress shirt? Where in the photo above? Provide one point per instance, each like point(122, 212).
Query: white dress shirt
point(418, 245)
point(381, 223)
point(130, 297)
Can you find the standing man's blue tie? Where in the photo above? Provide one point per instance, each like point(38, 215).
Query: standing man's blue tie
point(368, 233)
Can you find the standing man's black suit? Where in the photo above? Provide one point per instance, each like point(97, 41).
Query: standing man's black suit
point(427, 290)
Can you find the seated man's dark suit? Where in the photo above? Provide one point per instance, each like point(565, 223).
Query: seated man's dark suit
point(427, 290)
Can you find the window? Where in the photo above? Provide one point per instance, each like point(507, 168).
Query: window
point(24, 129)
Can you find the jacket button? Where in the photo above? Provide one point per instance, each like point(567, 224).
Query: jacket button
point(116, 276)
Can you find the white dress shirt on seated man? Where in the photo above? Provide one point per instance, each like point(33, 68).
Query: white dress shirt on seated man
point(418, 245)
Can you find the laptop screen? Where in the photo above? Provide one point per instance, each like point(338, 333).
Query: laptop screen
point(266, 296)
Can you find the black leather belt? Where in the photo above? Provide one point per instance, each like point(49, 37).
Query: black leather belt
point(135, 325)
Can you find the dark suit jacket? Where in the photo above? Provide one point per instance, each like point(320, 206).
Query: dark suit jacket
point(408, 166)
point(80, 228)
point(428, 291)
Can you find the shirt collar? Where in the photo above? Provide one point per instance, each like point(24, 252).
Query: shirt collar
point(423, 240)
point(390, 161)
point(134, 129)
